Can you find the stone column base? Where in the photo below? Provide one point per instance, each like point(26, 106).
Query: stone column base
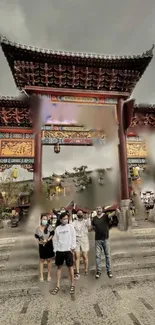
point(151, 215)
point(126, 220)
point(123, 223)
point(1, 224)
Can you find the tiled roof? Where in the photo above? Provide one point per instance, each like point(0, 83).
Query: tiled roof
point(60, 69)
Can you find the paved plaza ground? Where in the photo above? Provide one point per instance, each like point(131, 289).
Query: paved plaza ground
point(93, 304)
point(122, 300)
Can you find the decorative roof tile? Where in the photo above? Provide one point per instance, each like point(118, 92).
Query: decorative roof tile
point(128, 69)
point(144, 108)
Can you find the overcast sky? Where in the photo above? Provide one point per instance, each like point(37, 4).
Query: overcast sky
point(104, 26)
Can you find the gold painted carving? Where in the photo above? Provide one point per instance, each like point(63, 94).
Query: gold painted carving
point(93, 100)
point(73, 134)
point(136, 150)
point(74, 128)
point(16, 148)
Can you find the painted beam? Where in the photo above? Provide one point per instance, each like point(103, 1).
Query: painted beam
point(75, 93)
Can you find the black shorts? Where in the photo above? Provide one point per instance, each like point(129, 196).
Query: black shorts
point(62, 257)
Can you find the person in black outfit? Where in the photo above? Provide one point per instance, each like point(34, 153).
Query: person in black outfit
point(100, 224)
point(44, 233)
point(49, 218)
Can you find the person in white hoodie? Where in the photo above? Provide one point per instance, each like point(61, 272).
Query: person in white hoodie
point(64, 243)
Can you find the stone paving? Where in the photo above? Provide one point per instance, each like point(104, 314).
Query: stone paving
point(132, 261)
point(93, 304)
point(102, 301)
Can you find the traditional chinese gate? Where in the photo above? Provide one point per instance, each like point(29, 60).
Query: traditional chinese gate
point(68, 77)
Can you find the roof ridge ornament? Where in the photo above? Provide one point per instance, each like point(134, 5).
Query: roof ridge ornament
point(3, 38)
point(149, 52)
point(23, 92)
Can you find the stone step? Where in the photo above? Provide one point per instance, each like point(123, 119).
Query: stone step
point(143, 231)
point(19, 289)
point(127, 277)
point(115, 242)
point(137, 253)
point(115, 253)
point(115, 245)
point(144, 236)
point(8, 240)
point(133, 266)
point(146, 243)
point(116, 239)
point(118, 263)
point(4, 257)
point(16, 255)
point(133, 279)
point(32, 274)
point(33, 268)
point(31, 288)
point(17, 276)
point(6, 248)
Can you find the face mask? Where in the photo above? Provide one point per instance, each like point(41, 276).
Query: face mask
point(64, 222)
point(80, 216)
point(44, 222)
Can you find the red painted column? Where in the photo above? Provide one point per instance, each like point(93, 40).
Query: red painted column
point(38, 163)
point(35, 113)
point(122, 152)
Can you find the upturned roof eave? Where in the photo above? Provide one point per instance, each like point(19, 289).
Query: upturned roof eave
point(32, 49)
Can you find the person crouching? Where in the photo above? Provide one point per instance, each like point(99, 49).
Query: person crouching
point(64, 246)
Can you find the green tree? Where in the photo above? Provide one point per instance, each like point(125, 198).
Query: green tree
point(10, 192)
point(45, 189)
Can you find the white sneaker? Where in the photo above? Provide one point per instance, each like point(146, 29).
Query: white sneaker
point(97, 276)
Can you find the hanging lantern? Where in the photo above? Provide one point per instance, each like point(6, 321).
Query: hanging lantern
point(3, 194)
point(15, 173)
point(136, 171)
point(101, 181)
point(57, 148)
point(58, 189)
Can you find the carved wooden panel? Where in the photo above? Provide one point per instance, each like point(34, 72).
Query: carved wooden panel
point(3, 167)
point(28, 167)
point(16, 148)
point(73, 134)
point(136, 150)
point(142, 120)
point(71, 77)
point(16, 117)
